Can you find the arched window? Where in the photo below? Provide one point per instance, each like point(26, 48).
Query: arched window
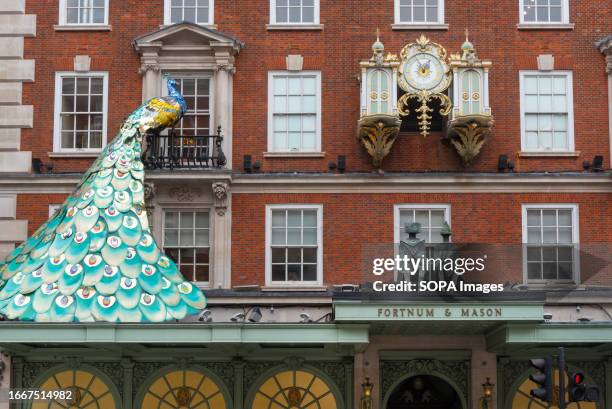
point(523, 400)
point(294, 389)
point(470, 93)
point(379, 95)
point(184, 389)
point(88, 391)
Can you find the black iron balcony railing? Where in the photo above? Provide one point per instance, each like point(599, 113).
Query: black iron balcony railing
point(173, 151)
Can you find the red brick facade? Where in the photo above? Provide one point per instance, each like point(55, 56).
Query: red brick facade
point(351, 222)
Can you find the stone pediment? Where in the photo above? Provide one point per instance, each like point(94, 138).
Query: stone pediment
point(187, 46)
point(187, 34)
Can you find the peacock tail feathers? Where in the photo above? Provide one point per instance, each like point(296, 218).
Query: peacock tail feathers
point(95, 259)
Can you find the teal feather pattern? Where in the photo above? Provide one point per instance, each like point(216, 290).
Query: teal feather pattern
point(95, 259)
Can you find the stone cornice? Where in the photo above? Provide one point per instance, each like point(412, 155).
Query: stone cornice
point(347, 183)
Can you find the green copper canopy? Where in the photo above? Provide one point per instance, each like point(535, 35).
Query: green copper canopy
point(96, 259)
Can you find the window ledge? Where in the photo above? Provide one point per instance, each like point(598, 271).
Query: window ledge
point(211, 26)
point(545, 26)
point(83, 27)
point(76, 155)
point(526, 154)
point(294, 288)
point(408, 26)
point(310, 27)
point(294, 154)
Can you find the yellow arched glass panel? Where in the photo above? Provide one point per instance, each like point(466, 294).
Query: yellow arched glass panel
point(470, 93)
point(184, 390)
point(89, 391)
point(294, 390)
point(523, 400)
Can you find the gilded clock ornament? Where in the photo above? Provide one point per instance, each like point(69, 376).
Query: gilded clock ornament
point(425, 75)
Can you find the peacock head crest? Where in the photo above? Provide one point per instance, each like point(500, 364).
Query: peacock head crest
point(172, 84)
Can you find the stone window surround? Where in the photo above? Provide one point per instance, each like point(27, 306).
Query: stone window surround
point(604, 45)
point(216, 58)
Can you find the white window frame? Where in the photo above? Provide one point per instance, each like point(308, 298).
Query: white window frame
point(438, 22)
point(57, 123)
point(575, 240)
point(210, 210)
point(397, 209)
point(271, 75)
point(570, 110)
point(268, 257)
point(63, 16)
point(317, 19)
point(564, 15)
point(167, 13)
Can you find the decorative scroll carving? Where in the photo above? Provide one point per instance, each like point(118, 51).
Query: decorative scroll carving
point(182, 193)
point(423, 110)
point(468, 134)
point(221, 191)
point(377, 133)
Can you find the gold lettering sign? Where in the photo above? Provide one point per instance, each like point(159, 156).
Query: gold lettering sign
point(441, 312)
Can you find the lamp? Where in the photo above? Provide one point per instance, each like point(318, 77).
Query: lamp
point(366, 397)
point(487, 398)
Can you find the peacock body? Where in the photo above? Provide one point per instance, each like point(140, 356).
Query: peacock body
point(95, 259)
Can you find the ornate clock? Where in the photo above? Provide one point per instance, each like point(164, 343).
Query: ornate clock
point(424, 74)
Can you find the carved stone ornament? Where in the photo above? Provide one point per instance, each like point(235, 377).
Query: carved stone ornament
point(220, 190)
point(468, 135)
point(182, 194)
point(377, 133)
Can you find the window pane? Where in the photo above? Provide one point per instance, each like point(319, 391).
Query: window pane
point(82, 104)
point(533, 218)
point(67, 122)
point(98, 16)
point(308, 15)
point(294, 218)
point(565, 217)
point(565, 235)
point(294, 272)
point(419, 14)
point(534, 271)
point(281, 14)
point(559, 85)
point(545, 85)
point(549, 253)
point(186, 237)
point(278, 236)
point(308, 123)
point(531, 122)
point(549, 235)
point(531, 85)
point(309, 85)
point(176, 15)
point(406, 14)
point(68, 86)
point(95, 140)
point(278, 255)
point(310, 255)
point(67, 140)
point(280, 85)
point(202, 220)
point(294, 14)
point(186, 220)
point(565, 271)
point(534, 253)
point(549, 271)
point(202, 237)
point(534, 235)
point(310, 236)
point(531, 103)
point(565, 253)
point(310, 272)
point(171, 219)
point(294, 255)
point(310, 218)
point(549, 217)
point(201, 273)
point(294, 237)
point(278, 272)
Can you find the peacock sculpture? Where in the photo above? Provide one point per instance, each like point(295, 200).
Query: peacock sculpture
point(95, 259)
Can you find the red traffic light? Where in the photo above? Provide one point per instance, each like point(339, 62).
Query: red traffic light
point(578, 378)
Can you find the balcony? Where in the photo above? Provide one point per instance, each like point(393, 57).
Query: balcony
point(173, 151)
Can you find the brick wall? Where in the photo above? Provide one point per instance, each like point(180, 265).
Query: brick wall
point(357, 227)
point(347, 37)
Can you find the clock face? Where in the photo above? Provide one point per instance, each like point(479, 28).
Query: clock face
point(423, 71)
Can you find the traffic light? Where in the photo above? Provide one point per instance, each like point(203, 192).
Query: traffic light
point(543, 378)
point(578, 390)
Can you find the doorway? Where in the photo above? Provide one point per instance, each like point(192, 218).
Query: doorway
point(424, 392)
